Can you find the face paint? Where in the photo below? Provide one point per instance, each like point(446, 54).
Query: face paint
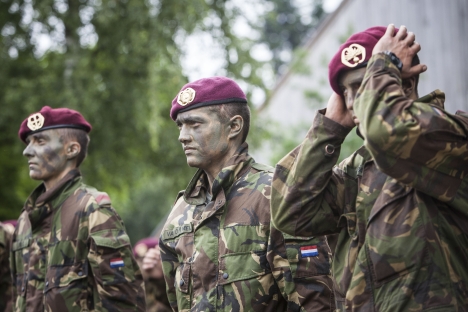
point(204, 138)
point(349, 83)
point(47, 157)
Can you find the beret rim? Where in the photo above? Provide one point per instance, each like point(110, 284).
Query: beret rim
point(214, 102)
point(25, 135)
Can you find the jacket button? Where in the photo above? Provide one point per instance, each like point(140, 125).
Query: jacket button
point(80, 273)
point(225, 276)
point(181, 283)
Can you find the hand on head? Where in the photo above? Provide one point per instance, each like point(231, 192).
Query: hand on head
point(404, 46)
point(338, 112)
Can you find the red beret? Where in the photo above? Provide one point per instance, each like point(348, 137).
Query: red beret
point(207, 91)
point(354, 53)
point(49, 118)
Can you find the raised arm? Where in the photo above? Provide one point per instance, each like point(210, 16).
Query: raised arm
point(307, 196)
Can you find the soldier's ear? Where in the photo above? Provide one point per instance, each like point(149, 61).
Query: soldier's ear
point(409, 87)
point(72, 150)
point(236, 124)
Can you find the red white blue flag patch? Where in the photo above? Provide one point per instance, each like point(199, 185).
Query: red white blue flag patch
point(309, 251)
point(117, 263)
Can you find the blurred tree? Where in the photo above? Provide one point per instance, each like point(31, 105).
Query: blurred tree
point(119, 63)
point(287, 24)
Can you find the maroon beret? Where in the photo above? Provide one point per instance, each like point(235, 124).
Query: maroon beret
point(50, 118)
point(354, 53)
point(207, 91)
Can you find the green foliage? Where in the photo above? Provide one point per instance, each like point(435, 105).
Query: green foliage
point(285, 27)
point(119, 63)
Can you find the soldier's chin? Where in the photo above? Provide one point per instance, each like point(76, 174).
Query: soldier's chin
point(35, 175)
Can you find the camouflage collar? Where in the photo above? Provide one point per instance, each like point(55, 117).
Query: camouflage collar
point(41, 203)
point(195, 194)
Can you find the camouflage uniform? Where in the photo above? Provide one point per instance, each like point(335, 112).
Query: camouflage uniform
point(217, 254)
point(70, 252)
point(156, 297)
point(399, 203)
point(6, 286)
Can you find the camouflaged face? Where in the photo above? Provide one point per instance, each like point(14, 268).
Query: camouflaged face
point(216, 254)
point(399, 204)
point(70, 252)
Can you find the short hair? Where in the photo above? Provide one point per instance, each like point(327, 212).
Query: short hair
point(228, 110)
point(81, 137)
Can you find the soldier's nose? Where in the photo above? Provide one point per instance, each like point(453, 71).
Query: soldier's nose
point(28, 151)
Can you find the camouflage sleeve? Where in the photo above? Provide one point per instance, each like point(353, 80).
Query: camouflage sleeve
point(117, 275)
point(417, 143)
point(6, 284)
point(169, 264)
point(301, 268)
point(307, 196)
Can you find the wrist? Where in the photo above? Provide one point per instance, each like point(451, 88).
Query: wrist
point(394, 59)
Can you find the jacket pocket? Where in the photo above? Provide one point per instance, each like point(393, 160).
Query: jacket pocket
point(66, 287)
point(307, 256)
point(245, 278)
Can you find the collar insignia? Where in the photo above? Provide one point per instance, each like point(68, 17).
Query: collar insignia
point(35, 121)
point(355, 53)
point(186, 97)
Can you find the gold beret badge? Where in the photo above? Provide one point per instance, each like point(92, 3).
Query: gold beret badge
point(186, 96)
point(355, 53)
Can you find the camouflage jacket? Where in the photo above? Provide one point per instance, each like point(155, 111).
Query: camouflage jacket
point(70, 252)
point(399, 203)
point(217, 254)
point(156, 297)
point(6, 285)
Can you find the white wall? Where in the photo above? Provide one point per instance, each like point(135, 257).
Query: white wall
point(441, 27)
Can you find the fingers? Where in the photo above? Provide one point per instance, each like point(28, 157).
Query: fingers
point(390, 30)
point(414, 71)
point(402, 33)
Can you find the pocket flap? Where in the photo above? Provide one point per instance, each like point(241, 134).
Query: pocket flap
point(111, 238)
point(241, 266)
point(62, 276)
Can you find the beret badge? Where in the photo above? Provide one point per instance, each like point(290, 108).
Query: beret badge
point(35, 121)
point(355, 53)
point(186, 96)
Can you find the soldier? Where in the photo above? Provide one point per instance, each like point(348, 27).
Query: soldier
point(216, 245)
point(6, 286)
point(400, 202)
point(70, 250)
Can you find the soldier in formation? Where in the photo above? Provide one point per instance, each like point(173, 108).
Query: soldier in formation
point(217, 248)
point(70, 250)
point(400, 202)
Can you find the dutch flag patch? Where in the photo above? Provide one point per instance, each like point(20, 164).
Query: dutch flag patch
point(309, 251)
point(116, 263)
